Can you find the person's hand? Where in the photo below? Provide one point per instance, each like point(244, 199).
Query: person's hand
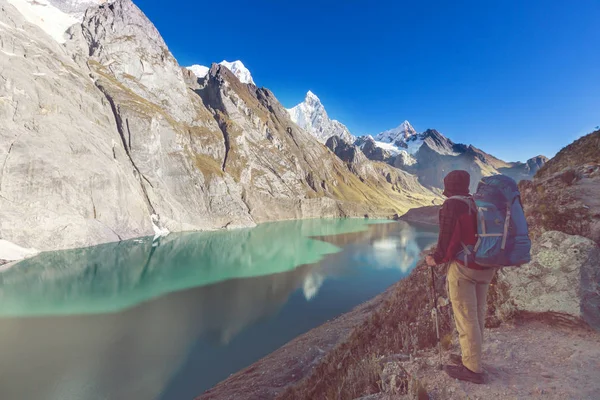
point(430, 261)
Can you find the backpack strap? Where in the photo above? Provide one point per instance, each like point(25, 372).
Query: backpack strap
point(467, 253)
point(506, 224)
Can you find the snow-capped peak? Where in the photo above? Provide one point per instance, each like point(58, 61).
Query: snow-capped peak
point(237, 67)
point(239, 70)
point(402, 132)
point(199, 70)
point(310, 96)
point(54, 16)
point(311, 116)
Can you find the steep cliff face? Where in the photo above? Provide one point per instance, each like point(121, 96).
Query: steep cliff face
point(106, 138)
point(65, 179)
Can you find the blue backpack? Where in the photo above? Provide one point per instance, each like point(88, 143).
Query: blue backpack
point(502, 232)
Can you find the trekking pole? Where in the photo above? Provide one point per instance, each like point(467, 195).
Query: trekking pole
point(435, 313)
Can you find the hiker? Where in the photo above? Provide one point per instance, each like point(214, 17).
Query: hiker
point(467, 285)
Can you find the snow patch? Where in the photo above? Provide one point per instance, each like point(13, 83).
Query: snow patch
point(49, 18)
point(407, 158)
point(47, 15)
point(237, 67)
point(156, 225)
point(388, 147)
point(12, 252)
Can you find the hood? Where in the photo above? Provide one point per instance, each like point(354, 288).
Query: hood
point(456, 183)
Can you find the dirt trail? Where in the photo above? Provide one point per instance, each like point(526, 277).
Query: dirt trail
point(528, 360)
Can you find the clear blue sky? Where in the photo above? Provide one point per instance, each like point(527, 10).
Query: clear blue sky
point(515, 78)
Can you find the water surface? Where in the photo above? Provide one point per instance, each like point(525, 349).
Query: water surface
point(169, 319)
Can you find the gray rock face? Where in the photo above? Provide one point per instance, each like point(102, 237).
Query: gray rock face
point(345, 151)
point(64, 178)
point(122, 39)
point(568, 201)
point(563, 277)
point(372, 151)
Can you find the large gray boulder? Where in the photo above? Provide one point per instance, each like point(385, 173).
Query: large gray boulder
point(563, 277)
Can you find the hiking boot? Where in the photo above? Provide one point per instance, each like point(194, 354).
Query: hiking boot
point(456, 359)
point(463, 373)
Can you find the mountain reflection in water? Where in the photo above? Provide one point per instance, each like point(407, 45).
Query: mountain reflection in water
point(134, 321)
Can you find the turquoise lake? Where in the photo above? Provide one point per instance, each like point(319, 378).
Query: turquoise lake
point(171, 318)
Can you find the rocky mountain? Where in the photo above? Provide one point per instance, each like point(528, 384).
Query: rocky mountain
point(106, 137)
point(565, 194)
point(526, 170)
point(398, 135)
point(430, 155)
point(237, 67)
point(585, 150)
point(311, 116)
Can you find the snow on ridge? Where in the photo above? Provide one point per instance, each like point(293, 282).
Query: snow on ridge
point(237, 67)
point(54, 16)
point(199, 70)
point(402, 132)
point(311, 116)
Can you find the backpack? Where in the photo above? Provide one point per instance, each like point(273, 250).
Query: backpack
point(502, 232)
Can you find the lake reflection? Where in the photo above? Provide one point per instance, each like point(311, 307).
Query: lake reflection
point(168, 320)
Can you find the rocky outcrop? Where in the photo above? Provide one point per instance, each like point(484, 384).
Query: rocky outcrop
point(520, 171)
point(562, 278)
point(568, 201)
point(347, 152)
point(585, 150)
point(428, 215)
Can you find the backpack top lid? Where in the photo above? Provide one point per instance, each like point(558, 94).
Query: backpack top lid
point(497, 189)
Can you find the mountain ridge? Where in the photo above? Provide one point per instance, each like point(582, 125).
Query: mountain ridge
point(311, 116)
point(156, 149)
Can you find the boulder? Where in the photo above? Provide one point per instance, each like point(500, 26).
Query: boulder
point(563, 278)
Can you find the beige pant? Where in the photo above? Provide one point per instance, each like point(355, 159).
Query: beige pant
point(468, 289)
